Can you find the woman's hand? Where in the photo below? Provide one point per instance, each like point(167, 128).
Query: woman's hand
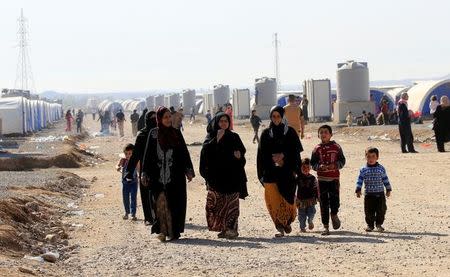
point(220, 134)
point(237, 154)
point(189, 176)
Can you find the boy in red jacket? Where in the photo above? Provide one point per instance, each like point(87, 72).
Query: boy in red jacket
point(327, 158)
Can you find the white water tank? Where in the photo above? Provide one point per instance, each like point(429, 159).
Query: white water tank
point(221, 95)
point(150, 102)
point(266, 91)
point(159, 101)
point(172, 100)
point(188, 101)
point(353, 82)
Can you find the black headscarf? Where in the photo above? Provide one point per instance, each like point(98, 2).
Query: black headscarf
point(141, 120)
point(280, 129)
point(167, 136)
point(213, 125)
point(150, 122)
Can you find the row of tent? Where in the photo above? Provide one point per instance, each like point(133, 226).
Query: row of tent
point(126, 106)
point(19, 115)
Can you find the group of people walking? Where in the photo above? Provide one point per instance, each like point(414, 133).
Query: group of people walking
point(161, 165)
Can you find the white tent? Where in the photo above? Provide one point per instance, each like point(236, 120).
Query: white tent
point(13, 115)
point(112, 107)
point(419, 95)
point(20, 115)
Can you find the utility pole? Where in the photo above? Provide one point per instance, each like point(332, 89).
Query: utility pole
point(277, 65)
point(24, 76)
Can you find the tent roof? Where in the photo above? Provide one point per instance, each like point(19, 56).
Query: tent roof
point(419, 93)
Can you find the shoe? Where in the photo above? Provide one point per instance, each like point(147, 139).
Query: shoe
point(231, 234)
point(134, 218)
point(288, 229)
point(336, 222)
point(175, 237)
point(326, 230)
point(414, 151)
point(221, 235)
point(368, 229)
point(380, 228)
point(279, 235)
point(125, 217)
point(310, 225)
point(303, 230)
point(404, 151)
point(161, 237)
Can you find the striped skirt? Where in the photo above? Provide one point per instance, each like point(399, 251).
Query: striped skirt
point(222, 211)
point(281, 212)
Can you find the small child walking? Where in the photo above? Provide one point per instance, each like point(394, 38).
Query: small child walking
point(373, 175)
point(327, 159)
point(307, 195)
point(129, 186)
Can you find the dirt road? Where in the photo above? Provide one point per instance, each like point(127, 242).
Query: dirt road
point(416, 241)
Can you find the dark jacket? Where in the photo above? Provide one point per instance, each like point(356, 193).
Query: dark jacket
point(403, 115)
point(441, 123)
point(134, 117)
point(141, 121)
point(287, 143)
point(222, 171)
point(255, 121)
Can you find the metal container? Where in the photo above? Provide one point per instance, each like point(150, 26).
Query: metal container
point(353, 82)
point(189, 101)
point(266, 91)
point(221, 95)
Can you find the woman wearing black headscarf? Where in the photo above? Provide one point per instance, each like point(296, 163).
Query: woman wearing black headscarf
point(278, 162)
point(136, 157)
point(222, 164)
point(166, 166)
point(441, 123)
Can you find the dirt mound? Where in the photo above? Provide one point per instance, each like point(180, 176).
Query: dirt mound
point(73, 156)
point(31, 221)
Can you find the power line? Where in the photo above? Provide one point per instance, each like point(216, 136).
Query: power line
point(24, 75)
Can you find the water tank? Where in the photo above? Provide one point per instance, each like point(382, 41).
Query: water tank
point(353, 82)
point(150, 102)
point(221, 95)
point(266, 91)
point(172, 100)
point(159, 101)
point(189, 100)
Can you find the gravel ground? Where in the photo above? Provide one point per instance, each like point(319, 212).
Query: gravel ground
point(416, 241)
point(36, 178)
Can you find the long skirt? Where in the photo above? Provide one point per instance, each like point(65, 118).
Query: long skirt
point(282, 212)
point(222, 211)
point(164, 216)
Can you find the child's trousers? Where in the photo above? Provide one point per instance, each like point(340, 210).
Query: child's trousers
point(375, 209)
point(329, 199)
point(129, 192)
point(306, 214)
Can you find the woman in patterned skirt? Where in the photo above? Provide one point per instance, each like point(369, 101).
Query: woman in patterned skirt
point(222, 164)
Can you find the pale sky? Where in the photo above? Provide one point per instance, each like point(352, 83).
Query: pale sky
point(107, 45)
